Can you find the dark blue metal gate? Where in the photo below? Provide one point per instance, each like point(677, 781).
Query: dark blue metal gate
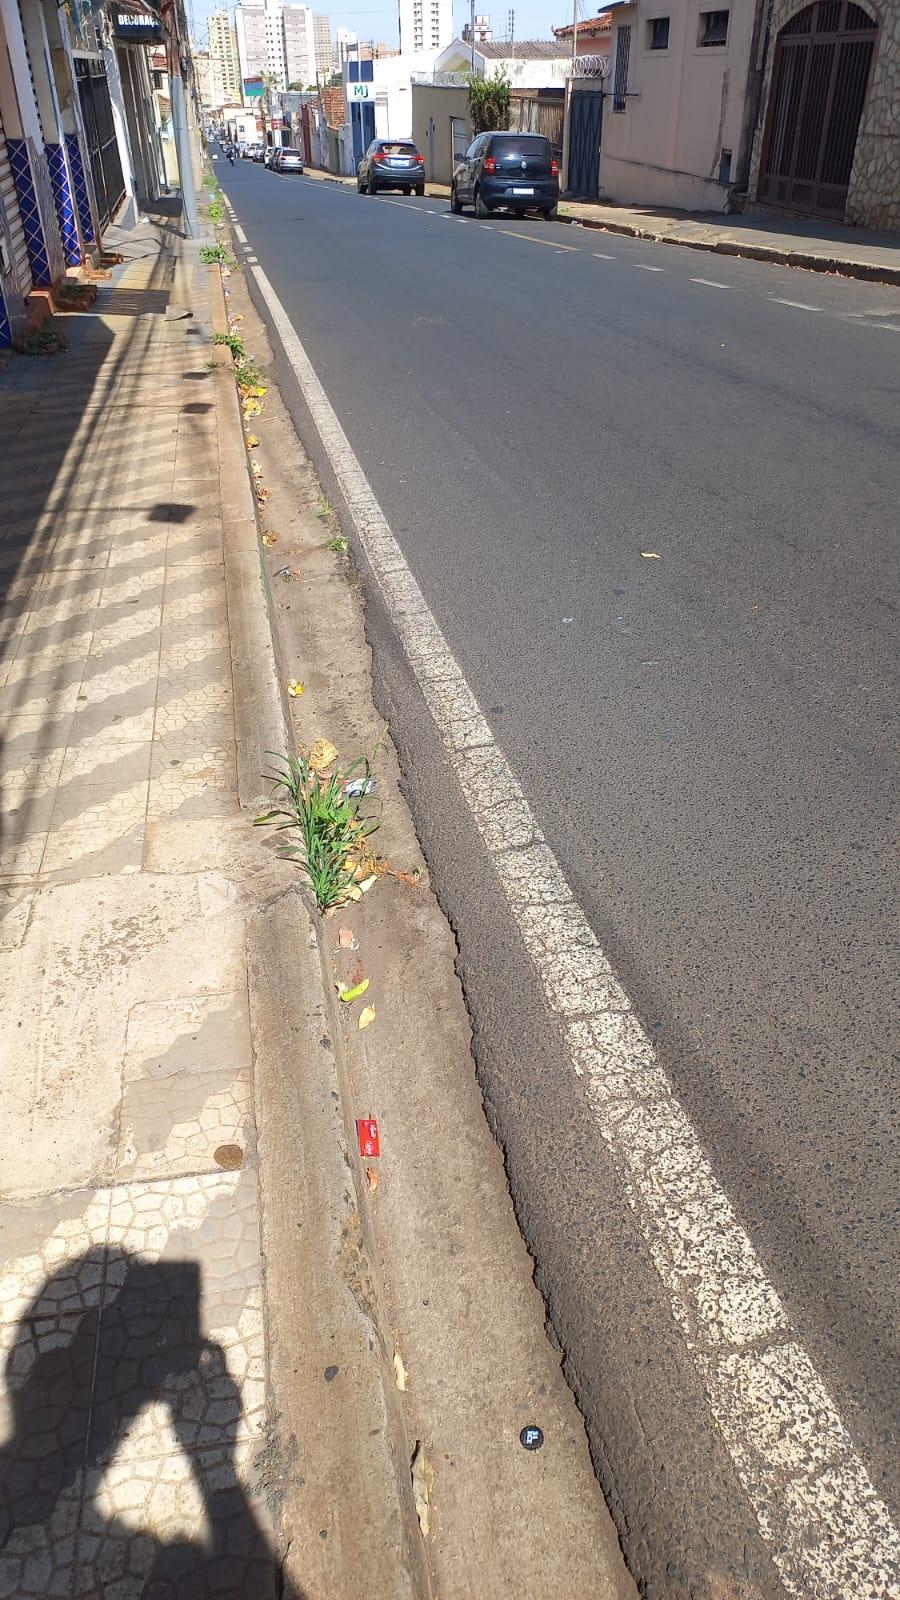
point(585, 121)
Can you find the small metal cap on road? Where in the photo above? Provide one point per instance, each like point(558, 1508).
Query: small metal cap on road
point(531, 1437)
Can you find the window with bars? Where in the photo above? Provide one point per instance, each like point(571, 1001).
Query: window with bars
point(620, 77)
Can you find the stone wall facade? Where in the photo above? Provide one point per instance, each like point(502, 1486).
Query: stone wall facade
point(873, 198)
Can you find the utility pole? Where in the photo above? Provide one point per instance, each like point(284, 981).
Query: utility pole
point(472, 26)
point(179, 118)
point(574, 34)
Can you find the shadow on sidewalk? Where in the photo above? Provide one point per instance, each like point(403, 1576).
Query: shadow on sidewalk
point(76, 1381)
point(87, 481)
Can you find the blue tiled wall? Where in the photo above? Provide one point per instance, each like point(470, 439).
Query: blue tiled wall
point(38, 255)
point(65, 204)
point(79, 184)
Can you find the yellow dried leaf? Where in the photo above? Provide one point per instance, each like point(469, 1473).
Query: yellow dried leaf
point(252, 441)
point(295, 689)
point(322, 755)
point(366, 1016)
point(269, 538)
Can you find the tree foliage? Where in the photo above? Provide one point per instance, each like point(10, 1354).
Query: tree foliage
point(489, 102)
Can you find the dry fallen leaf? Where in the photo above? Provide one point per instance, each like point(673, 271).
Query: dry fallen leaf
point(399, 1372)
point(252, 441)
point(650, 555)
point(295, 689)
point(322, 755)
point(367, 883)
point(366, 1016)
point(422, 1473)
point(371, 1179)
point(269, 539)
point(256, 469)
point(345, 938)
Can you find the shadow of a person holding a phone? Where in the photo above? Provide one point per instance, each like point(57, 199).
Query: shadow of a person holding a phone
point(84, 1365)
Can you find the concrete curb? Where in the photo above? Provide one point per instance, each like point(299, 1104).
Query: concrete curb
point(869, 271)
point(338, 1463)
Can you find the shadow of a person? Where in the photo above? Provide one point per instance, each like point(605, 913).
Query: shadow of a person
point(106, 1337)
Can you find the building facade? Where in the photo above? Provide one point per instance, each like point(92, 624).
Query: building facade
point(324, 45)
point(250, 29)
point(223, 53)
point(299, 46)
point(79, 143)
point(789, 104)
point(827, 131)
point(425, 25)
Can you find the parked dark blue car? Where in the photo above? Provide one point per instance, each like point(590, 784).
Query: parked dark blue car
point(509, 172)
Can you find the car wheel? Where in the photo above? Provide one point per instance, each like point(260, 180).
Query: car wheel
point(481, 210)
point(455, 202)
point(420, 190)
point(406, 188)
point(371, 187)
point(550, 213)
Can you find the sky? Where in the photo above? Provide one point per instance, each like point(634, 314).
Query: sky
point(534, 18)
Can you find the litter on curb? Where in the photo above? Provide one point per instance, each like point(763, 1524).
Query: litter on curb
point(368, 1136)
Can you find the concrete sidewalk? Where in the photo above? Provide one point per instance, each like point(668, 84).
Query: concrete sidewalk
point(814, 244)
point(131, 1296)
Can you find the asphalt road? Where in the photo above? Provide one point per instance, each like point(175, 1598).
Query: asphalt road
point(707, 740)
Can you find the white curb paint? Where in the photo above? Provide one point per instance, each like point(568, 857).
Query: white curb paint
point(830, 1535)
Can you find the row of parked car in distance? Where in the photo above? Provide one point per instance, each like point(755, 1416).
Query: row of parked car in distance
point(280, 158)
point(499, 172)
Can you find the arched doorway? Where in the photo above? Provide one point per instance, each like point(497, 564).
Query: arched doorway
point(823, 58)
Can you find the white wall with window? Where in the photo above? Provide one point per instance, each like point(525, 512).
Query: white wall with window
point(675, 117)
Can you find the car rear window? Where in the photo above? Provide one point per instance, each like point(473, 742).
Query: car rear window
point(524, 146)
point(290, 151)
point(397, 149)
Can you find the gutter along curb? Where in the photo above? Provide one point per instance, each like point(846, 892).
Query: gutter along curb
point(340, 1455)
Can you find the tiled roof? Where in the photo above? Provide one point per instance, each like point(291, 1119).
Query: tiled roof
point(600, 24)
point(522, 50)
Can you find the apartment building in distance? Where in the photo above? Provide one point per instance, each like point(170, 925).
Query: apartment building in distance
point(223, 54)
point(286, 42)
point(425, 25)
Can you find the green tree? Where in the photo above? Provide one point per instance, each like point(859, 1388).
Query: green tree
point(489, 102)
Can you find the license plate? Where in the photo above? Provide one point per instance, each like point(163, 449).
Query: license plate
point(397, 161)
point(519, 190)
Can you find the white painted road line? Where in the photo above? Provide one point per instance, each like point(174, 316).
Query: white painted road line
point(710, 283)
point(828, 1531)
point(530, 239)
point(641, 266)
point(798, 305)
point(600, 255)
point(239, 233)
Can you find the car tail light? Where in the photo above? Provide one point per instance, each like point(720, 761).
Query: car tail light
point(420, 161)
point(554, 168)
point(490, 164)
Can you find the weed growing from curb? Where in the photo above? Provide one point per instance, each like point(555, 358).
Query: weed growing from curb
point(332, 834)
point(212, 253)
